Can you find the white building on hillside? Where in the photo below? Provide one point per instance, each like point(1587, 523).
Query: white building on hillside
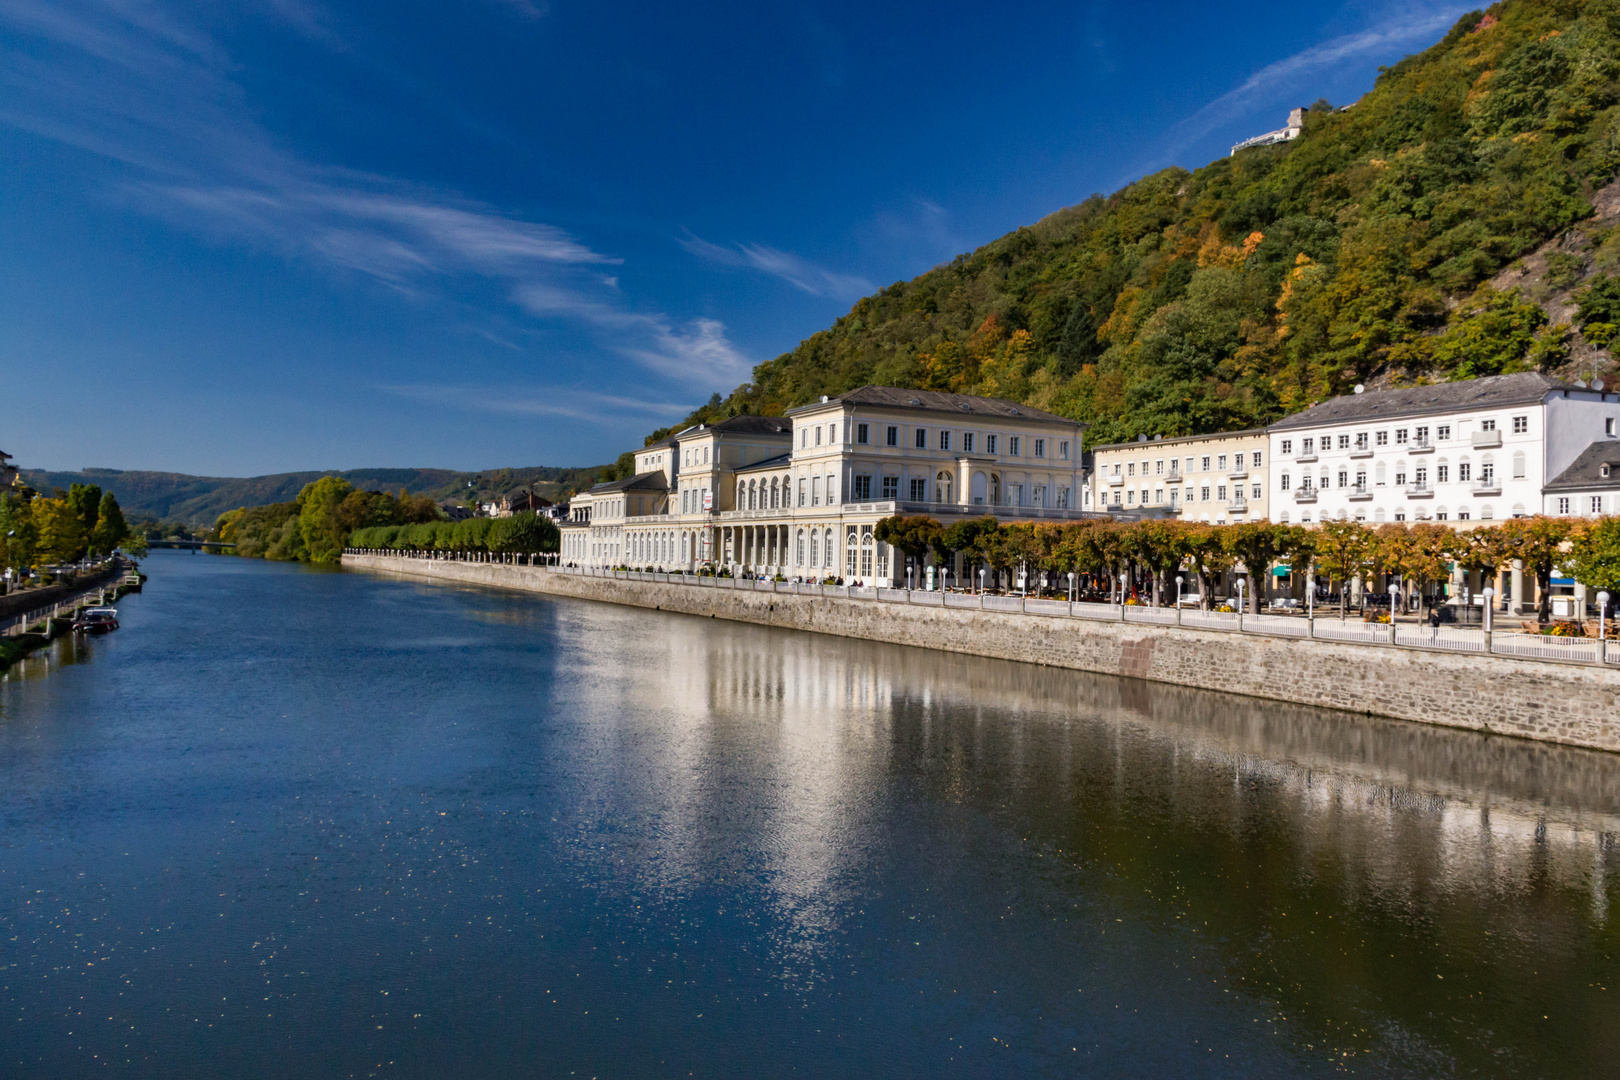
point(1477, 450)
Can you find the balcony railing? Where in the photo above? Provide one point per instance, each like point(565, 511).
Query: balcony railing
point(1421, 446)
point(1361, 452)
point(1239, 473)
point(1419, 491)
point(1305, 495)
point(1238, 506)
point(1115, 481)
point(1492, 486)
point(1305, 457)
point(1485, 440)
point(1360, 493)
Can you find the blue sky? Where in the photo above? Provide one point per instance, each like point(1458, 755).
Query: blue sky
point(300, 234)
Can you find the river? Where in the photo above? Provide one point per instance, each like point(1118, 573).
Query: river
point(294, 823)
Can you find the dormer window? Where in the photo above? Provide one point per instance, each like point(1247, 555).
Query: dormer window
point(1603, 471)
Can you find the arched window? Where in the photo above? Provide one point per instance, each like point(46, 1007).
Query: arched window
point(866, 553)
point(851, 553)
point(827, 549)
point(1378, 514)
point(942, 487)
point(798, 551)
point(1518, 464)
point(1378, 474)
point(815, 547)
point(686, 548)
point(1486, 512)
point(995, 489)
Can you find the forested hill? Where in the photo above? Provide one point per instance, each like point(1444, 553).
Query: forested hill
point(1363, 251)
point(199, 500)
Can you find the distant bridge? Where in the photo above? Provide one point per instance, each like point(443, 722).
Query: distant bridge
point(192, 544)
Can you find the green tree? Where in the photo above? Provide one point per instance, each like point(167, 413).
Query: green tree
point(1594, 558)
point(19, 532)
point(320, 518)
point(111, 529)
point(912, 536)
point(1540, 543)
point(86, 502)
point(1344, 551)
point(1258, 544)
point(60, 530)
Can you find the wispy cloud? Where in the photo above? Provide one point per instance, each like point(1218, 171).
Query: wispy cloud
point(563, 402)
point(129, 81)
point(801, 273)
point(1417, 26)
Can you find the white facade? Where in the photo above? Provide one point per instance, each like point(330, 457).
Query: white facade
point(1476, 451)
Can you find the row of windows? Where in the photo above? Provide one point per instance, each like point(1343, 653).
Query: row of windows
point(1486, 513)
point(1415, 436)
point(1594, 504)
point(1240, 461)
point(1419, 474)
point(1256, 491)
point(941, 438)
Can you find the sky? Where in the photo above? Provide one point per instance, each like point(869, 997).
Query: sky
point(247, 238)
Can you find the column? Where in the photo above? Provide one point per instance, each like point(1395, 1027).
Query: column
point(1517, 584)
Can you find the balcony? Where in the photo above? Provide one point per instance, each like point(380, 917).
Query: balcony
point(1360, 493)
point(1492, 486)
point(1305, 495)
point(1116, 481)
point(1239, 473)
point(1238, 506)
point(1423, 447)
point(1305, 458)
point(1361, 452)
point(1419, 491)
point(1486, 440)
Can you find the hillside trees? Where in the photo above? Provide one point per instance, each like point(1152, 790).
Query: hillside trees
point(1261, 283)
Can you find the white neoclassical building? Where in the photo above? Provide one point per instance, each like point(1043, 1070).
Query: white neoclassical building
point(1476, 450)
point(801, 495)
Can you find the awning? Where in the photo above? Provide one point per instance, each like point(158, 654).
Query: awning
point(1281, 571)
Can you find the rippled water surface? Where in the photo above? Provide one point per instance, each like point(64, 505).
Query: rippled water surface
point(298, 824)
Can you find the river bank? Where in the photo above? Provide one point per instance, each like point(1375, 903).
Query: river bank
point(52, 610)
point(1548, 701)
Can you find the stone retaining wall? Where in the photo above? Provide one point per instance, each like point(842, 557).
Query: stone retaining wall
point(1549, 701)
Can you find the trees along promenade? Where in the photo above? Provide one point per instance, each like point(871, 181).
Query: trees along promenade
point(1148, 554)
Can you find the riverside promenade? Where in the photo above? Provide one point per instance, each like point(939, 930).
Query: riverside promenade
point(1528, 686)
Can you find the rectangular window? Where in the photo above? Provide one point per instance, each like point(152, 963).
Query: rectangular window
point(1361, 440)
point(1442, 473)
point(1462, 515)
point(1189, 464)
point(1521, 424)
point(1462, 472)
point(1130, 470)
point(1063, 498)
point(1487, 425)
point(1400, 479)
point(1288, 446)
point(1381, 438)
point(1344, 442)
point(815, 491)
point(891, 487)
point(804, 437)
point(919, 489)
point(891, 437)
point(1040, 447)
point(944, 440)
point(1255, 492)
point(1563, 506)
point(818, 434)
point(1307, 446)
point(1204, 463)
point(1608, 426)
point(1285, 481)
point(1220, 492)
point(1158, 467)
point(863, 489)
point(989, 444)
point(1487, 473)
point(1400, 436)
point(1014, 443)
point(1040, 495)
point(1063, 449)
point(1443, 431)
point(967, 442)
point(861, 434)
point(1130, 497)
point(1421, 476)
point(1255, 460)
point(832, 490)
point(802, 483)
point(1203, 493)
point(1597, 504)
point(1421, 436)
point(1220, 463)
point(1344, 478)
point(921, 439)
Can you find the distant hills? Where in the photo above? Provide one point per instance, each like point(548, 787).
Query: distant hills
point(198, 500)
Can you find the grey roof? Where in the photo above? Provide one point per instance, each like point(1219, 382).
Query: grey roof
point(937, 401)
point(744, 425)
point(1179, 439)
point(668, 440)
point(1495, 391)
point(1585, 473)
point(777, 462)
point(647, 481)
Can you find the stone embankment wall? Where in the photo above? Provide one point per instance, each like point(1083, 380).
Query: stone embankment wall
point(1549, 701)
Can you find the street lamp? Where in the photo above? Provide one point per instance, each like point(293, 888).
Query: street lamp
point(1241, 608)
point(1394, 593)
point(1603, 610)
point(1124, 580)
point(1071, 586)
point(1486, 594)
point(981, 580)
point(1179, 580)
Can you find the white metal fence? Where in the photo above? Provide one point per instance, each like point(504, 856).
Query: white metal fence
point(1325, 628)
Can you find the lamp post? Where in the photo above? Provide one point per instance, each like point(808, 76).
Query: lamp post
point(908, 577)
point(981, 581)
point(1394, 596)
point(1179, 581)
point(1071, 586)
point(1603, 641)
point(1486, 594)
point(1240, 584)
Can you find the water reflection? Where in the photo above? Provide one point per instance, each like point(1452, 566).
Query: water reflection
point(325, 823)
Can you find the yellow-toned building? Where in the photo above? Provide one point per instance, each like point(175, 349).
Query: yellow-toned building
point(1219, 478)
